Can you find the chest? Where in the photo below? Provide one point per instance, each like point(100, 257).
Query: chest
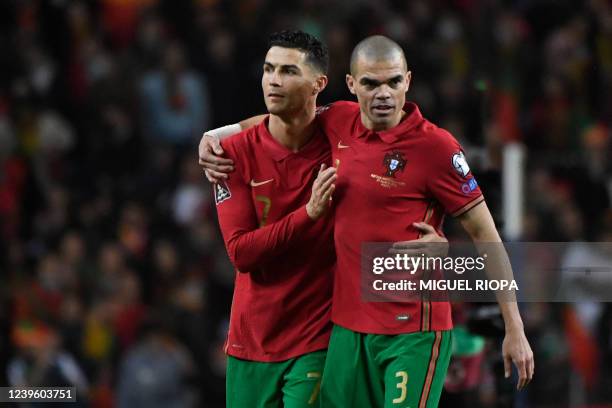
point(279, 187)
point(377, 173)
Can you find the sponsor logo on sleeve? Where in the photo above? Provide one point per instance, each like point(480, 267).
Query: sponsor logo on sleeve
point(469, 186)
point(460, 164)
point(222, 193)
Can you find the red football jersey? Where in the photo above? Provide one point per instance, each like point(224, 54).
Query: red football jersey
point(386, 181)
point(284, 260)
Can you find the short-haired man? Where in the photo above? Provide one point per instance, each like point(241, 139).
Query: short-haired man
point(271, 215)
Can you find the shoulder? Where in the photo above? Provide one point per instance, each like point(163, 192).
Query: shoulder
point(241, 143)
point(335, 118)
point(441, 148)
point(438, 139)
point(243, 148)
point(338, 108)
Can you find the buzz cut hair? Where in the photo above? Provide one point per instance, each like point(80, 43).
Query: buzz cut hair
point(316, 52)
point(376, 48)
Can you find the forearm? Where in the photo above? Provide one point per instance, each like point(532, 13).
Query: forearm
point(511, 315)
point(479, 224)
point(498, 267)
point(251, 249)
point(224, 132)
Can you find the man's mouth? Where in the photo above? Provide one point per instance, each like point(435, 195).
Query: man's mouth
point(275, 96)
point(382, 109)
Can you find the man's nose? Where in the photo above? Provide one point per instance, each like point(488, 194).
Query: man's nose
point(383, 94)
point(275, 79)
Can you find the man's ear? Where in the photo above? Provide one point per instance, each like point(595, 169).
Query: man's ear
point(320, 84)
point(408, 79)
point(350, 82)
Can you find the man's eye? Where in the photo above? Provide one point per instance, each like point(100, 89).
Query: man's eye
point(369, 85)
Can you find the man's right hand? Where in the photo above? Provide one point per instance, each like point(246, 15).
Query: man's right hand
point(216, 168)
point(322, 190)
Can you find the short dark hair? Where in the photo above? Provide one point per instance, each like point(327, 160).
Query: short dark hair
point(316, 52)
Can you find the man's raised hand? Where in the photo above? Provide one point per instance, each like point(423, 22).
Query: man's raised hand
point(322, 190)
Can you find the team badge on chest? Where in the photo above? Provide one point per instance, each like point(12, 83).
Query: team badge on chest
point(393, 163)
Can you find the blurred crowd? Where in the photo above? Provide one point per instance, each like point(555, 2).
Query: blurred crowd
point(113, 277)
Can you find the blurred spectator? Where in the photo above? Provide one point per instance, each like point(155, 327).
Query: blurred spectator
point(191, 196)
point(130, 310)
point(167, 272)
point(175, 100)
point(43, 363)
point(120, 18)
point(156, 371)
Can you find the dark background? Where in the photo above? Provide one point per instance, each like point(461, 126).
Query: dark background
point(112, 272)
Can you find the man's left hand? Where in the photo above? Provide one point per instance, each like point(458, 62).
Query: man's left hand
point(430, 243)
point(516, 349)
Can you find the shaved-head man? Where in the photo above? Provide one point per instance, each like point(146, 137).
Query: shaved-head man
point(378, 61)
point(377, 48)
point(395, 171)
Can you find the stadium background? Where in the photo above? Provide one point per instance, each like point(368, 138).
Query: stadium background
point(112, 273)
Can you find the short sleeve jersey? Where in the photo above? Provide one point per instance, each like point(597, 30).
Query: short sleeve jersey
point(386, 181)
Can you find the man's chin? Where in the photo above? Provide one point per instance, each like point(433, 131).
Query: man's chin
point(385, 119)
point(381, 119)
point(275, 109)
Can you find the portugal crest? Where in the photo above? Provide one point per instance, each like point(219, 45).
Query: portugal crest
point(393, 163)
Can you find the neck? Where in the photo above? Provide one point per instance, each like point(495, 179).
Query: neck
point(295, 130)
